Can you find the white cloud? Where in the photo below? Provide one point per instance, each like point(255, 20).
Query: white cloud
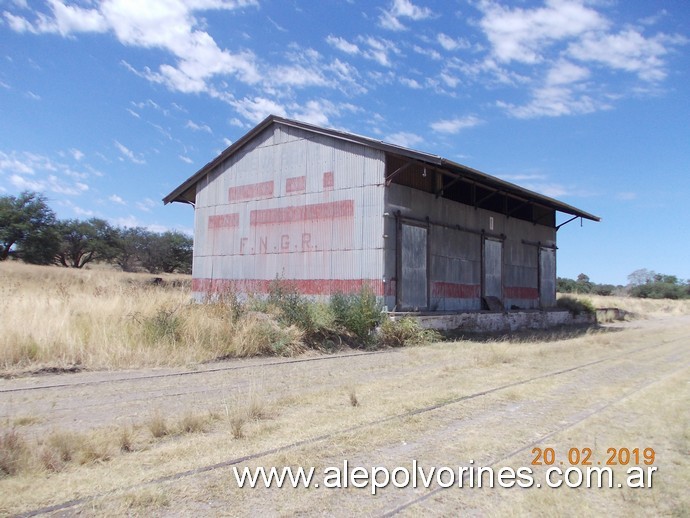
point(404, 139)
point(410, 83)
point(79, 211)
point(76, 154)
point(389, 18)
point(198, 127)
point(185, 159)
point(318, 111)
point(50, 183)
point(146, 204)
point(127, 222)
point(24, 184)
point(298, 75)
point(379, 50)
point(628, 50)
point(454, 126)
point(128, 153)
point(161, 24)
point(343, 45)
point(562, 93)
point(564, 72)
point(116, 199)
point(524, 35)
point(25, 170)
point(428, 52)
point(257, 109)
point(451, 44)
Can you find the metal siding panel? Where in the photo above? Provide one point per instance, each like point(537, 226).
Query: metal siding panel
point(414, 267)
point(493, 262)
point(547, 274)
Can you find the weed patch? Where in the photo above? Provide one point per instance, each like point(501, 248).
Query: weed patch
point(14, 453)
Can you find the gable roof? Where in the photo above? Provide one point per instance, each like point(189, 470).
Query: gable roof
point(186, 192)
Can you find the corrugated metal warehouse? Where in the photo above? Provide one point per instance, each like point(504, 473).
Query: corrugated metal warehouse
point(332, 211)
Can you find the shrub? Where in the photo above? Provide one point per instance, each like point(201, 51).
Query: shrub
point(405, 331)
point(358, 313)
point(158, 426)
point(259, 333)
point(165, 326)
point(292, 308)
point(13, 453)
point(576, 306)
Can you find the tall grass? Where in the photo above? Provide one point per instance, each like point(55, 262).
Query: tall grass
point(105, 319)
point(100, 318)
point(636, 306)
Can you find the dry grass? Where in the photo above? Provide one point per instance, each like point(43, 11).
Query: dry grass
point(103, 319)
point(158, 426)
point(309, 400)
point(639, 307)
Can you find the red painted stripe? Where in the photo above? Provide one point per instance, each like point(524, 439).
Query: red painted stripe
point(303, 286)
point(253, 191)
point(328, 181)
point(224, 221)
point(296, 184)
point(454, 290)
point(294, 213)
point(520, 292)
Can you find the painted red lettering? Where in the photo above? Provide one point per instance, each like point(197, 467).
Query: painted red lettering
point(306, 242)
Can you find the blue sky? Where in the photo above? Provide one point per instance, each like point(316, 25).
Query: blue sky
point(107, 105)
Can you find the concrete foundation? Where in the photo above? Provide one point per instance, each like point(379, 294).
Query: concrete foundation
point(498, 322)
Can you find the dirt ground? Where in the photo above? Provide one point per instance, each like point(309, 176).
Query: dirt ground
point(495, 403)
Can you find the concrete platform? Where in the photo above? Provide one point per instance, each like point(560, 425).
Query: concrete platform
point(498, 321)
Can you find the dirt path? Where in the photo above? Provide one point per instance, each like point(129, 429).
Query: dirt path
point(444, 405)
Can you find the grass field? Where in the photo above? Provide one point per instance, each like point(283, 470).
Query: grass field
point(163, 441)
point(104, 319)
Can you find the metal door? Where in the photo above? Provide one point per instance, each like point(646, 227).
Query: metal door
point(547, 277)
point(413, 268)
point(493, 268)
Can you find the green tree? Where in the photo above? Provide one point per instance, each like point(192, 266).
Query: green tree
point(583, 284)
point(177, 250)
point(565, 285)
point(82, 242)
point(155, 252)
point(23, 218)
point(131, 246)
point(41, 246)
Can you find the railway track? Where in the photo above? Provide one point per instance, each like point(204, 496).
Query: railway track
point(71, 504)
point(148, 377)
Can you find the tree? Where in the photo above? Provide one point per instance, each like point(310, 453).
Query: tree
point(178, 250)
point(22, 218)
point(165, 252)
point(131, 247)
point(583, 284)
point(86, 241)
point(41, 246)
point(641, 276)
point(565, 285)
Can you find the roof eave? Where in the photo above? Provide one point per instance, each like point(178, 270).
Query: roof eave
point(473, 174)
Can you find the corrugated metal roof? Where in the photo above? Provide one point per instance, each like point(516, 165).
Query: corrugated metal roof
point(186, 192)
